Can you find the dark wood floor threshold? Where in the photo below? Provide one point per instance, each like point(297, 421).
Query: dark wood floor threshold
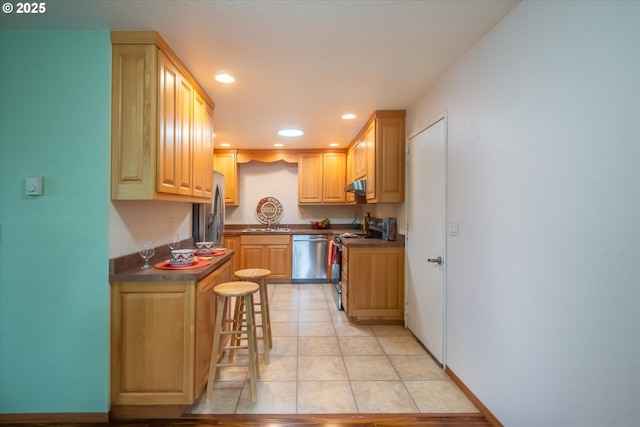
point(338, 420)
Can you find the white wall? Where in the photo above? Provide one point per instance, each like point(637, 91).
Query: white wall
point(131, 222)
point(544, 159)
point(280, 180)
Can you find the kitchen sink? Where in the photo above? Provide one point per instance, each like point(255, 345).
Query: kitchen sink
point(269, 230)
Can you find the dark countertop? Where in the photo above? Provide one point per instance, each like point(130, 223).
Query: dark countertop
point(374, 243)
point(154, 274)
point(237, 230)
point(233, 231)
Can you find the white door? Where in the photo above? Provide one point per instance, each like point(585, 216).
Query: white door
point(426, 232)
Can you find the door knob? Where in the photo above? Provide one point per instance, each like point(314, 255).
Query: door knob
point(435, 260)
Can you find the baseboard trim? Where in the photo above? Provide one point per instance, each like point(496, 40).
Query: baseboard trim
point(472, 397)
point(55, 417)
point(146, 411)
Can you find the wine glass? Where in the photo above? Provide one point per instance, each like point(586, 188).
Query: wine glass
point(175, 242)
point(146, 253)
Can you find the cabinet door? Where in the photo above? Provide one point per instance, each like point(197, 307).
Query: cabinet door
point(310, 178)
point(350, 197)
point(390, 159)
point(133, 122)
point(279, 261)
point(175, 120)
point(206, 302)
point(252, 256)
point(360, 159)
point(345, 280)
point(226, 163)
point(370, 155)
point(159, 368)
point(202, 147)
point(233, 243)
point(334, 177)
point(376, 283)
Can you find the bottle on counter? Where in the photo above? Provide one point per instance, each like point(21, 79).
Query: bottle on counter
point(367, 220)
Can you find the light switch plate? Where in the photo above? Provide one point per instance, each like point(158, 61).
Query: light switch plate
point(453, 228)
point(33, 186)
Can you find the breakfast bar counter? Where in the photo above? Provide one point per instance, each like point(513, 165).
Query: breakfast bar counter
point(130, 271)
point(161, 333)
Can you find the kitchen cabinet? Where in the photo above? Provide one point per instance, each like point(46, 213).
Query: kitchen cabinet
point(321, 178)
point(175, 114)
point(350, 198)
point(202, 147)
point(270, 251)
point(161, 334)
point(233, 243)
point(373, 283)
point(383, 142)
point(161, 123)
point(359, 159)
point(225, 162)
point(345, 279)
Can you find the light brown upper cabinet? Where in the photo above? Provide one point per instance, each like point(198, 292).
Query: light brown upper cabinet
point(321, 178)
point(383, 142)
point(350, 198)
point(359, 159)
point(202, 147)
point(225, 162)
point(161, 123)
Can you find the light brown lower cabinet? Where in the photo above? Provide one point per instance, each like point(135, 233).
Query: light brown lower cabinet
point(269, 251)
point(161, 336)
point(373, 284)
point(233, 243)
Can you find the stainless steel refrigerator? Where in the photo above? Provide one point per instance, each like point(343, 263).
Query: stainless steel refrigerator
point(208, 219)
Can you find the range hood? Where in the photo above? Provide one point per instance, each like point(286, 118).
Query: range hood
point(358, 187)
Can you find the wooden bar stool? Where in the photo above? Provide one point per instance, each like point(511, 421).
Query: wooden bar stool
point(243, 291)
point(262, 306)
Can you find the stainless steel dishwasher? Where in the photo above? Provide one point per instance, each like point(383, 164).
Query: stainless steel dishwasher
point(309, 258)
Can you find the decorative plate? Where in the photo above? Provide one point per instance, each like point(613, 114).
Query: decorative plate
point(269, 210)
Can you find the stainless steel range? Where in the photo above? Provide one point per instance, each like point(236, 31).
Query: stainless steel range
point(335, 255)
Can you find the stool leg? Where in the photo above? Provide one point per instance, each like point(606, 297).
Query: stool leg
point(213, 364)
point(264, 315)
point(254, 367)
point(237, 324)
point(266, 309)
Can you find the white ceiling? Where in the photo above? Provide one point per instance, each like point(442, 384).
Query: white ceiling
point(297, 63)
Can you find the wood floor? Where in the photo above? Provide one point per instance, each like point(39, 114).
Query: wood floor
point(404, 420)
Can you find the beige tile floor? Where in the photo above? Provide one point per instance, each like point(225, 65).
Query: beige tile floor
point(321, 363)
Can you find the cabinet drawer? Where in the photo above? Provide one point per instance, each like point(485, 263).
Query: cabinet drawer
point(265, 239)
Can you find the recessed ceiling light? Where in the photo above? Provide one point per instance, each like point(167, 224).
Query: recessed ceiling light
point(277, 145)
point(290, 132)
point(225, 78)
point(348, 116)
point(334, 144)
point(225, 144)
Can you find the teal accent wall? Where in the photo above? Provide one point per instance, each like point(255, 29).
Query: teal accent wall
point(54, 289)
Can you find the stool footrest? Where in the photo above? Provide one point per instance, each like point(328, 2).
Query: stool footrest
point(242, 331)
point(224, 365)
point(237, 347)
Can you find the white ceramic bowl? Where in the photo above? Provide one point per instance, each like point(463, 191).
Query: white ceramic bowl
point(204, 246)
point(182, 256)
